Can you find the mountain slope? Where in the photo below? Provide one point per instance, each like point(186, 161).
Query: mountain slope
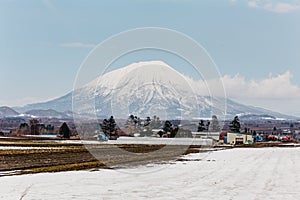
point(60, 104)
point(7, 112)
point(49, 113)
point(146, 89)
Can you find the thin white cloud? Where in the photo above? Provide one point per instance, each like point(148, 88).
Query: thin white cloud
point(282, 7)
point(238, 87)
point(77, 45)
point(275, 5)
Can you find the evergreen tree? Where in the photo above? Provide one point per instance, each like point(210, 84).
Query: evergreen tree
point(65, 131)
point(104, 127)
point(235, 125)
point(201, 126)
point(155, 123)
point(167, 126)
point(147, 127)
point(109, 127)
point(131, 124)
point(174, 132)
point(112, 125)
point(49, 127)
point(23, 125)
point(214, 125)
point(207, 125)
point(275, 130)
point(147, 121)
point(24, 129)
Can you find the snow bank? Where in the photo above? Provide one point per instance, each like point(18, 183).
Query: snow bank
point(167, 141)
point(146, 140)
point(25, 148)
point(266, 173)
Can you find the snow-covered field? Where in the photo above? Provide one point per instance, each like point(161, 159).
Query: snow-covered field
point(265, 173)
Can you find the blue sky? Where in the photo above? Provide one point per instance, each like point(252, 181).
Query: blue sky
point(255, 43)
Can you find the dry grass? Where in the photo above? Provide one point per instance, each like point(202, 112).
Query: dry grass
point(65, 167)
point(66, 157)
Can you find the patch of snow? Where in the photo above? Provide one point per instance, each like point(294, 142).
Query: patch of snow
point(167, 141)
point(268, 118)
point(281, 119)
point(24, 148)
point(27, 115)
point(146, 140)
point(264, 173)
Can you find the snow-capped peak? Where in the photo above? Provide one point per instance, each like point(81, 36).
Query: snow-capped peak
point(140, 72)
point(144, 88)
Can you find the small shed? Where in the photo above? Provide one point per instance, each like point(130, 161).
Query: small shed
point(297, 135)
point(239, 138)
point(5, 132)
point(212, 135)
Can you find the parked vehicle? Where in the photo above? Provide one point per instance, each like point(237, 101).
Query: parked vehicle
point(258, 138)
point(287, 138)
point(272, 138)
point(101, 137)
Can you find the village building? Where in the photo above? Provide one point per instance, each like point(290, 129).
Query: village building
point(239, 138)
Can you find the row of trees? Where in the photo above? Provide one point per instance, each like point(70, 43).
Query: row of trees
point(211, 126)
point(134, 124)
point(36, 128)
point(149, 125)
point(214, 126)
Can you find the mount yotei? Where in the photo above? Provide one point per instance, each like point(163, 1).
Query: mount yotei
point(146, 89)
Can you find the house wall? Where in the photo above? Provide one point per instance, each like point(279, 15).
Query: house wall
point(213, 135)
point(231, 138)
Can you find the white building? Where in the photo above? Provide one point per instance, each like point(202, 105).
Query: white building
point(212, 135)
point(238, 138)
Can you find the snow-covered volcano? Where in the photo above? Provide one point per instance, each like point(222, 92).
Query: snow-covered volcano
point(147, 89)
